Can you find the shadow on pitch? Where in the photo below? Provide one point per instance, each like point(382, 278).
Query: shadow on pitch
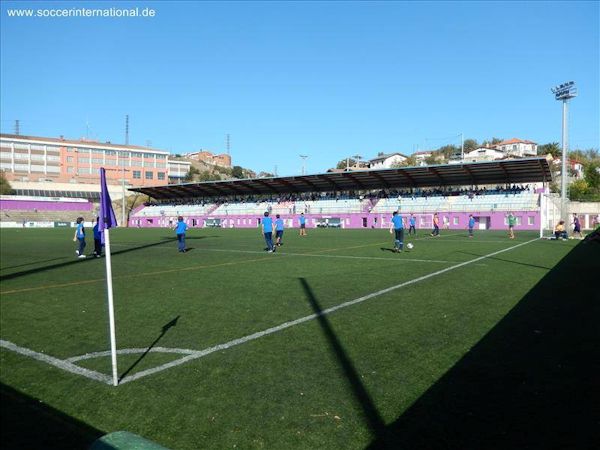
point(507, 260)
point(166, 327)
point(87, 260)
point(31, 263)
point(530, 382)
point(372, 416)
point(27, 423)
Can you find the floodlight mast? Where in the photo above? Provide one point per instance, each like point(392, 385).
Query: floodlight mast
point(564, 92)
point(303, 163)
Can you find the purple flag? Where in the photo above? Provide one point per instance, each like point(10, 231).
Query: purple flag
point(106, 215)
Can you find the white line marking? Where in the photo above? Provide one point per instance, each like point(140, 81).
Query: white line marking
point(61, 364)
point(398, 259)
point(131, 351)
point(285, 325)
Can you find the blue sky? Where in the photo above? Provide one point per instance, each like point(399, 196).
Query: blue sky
point(325, 79)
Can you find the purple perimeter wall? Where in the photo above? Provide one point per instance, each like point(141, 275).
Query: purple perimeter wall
point(526, 220)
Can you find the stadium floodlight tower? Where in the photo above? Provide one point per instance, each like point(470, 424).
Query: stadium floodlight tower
point(564, 92)
point(303, 163)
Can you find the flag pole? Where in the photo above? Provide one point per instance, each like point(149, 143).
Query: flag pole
point(111, 308)
point(107, 220)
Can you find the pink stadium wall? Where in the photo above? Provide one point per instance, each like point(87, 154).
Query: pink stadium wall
point(526, 220)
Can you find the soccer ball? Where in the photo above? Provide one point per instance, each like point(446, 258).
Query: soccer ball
point(409, 246)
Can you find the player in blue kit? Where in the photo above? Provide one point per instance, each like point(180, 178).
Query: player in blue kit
point(397, 228)
point(267, 229)
point(180, 230)
point(471, 225)
point(278, 230)
point(302, 221)
point(80, 237)
point(412, 222)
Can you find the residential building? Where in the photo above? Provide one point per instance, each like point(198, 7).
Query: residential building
point(222, 159)
point(517, 147)
point(178, 170)
point(59, 160)
point(386, 161)
point(483, 154)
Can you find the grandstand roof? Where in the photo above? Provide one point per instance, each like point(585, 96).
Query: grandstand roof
point(526, 170)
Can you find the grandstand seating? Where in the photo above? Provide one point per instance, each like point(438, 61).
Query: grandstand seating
point(42, 209)
point(524, 201)
point(172, 210)
point(45, 216)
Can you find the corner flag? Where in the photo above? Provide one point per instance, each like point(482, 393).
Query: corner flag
point(107, 220)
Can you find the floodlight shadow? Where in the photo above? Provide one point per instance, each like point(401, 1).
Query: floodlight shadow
point(374, 420)
point(508, 261)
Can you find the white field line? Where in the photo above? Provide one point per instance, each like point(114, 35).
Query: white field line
point(131, 351)
point(391, 259)
point(61, 364)
point(283, 326)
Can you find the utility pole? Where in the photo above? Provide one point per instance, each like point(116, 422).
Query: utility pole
point(17, 127)
point(127, 129)
point(123, 188)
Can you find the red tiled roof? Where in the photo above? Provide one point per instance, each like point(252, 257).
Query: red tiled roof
point(514, 141)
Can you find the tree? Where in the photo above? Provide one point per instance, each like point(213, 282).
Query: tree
point(190, 175)
point(448, 151)
point(408, 162)
point(5, 187)
point(592, 175)
point(470, 145)
point(553, 148)
point(578, 190)
point(237, 172)
point(433, 159)
point(265, 175)
point(342, 164)
point(207, 175)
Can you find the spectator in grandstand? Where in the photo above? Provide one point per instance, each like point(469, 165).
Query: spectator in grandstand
point(412, 225)
point(436, 225)
point(180, 230)
point(512, 221)
point(267, 229)
point(559, 231)
point(80, 236)
point(471, 225)
point(278, 230)
point(97, 239)
point(397, 228)
point(302, 225)
point(576, 226)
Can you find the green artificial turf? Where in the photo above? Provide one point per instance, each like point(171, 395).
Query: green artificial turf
point(345, 380)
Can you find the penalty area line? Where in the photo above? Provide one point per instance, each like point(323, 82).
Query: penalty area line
point(283, 326)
